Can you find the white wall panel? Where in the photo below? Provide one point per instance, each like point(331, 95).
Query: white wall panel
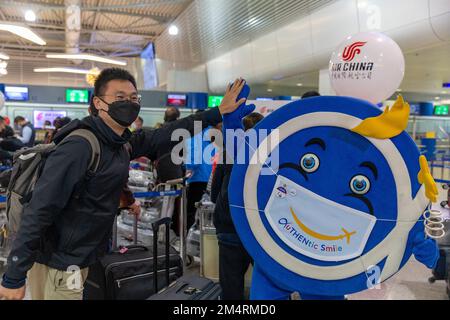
point(187, 81)
point(332, 24)
point(439, 7)
point(413, 36)
point(265, 56)
point(219, 72)
point(441, 25)
point(295, 51)
point(390, 14)
point(242, 65)
point(306, 44)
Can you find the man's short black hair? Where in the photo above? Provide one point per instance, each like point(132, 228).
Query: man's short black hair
point(19, 119)
point(106, 76)
point(251, 120)
point(171, 114)
point(310, 94)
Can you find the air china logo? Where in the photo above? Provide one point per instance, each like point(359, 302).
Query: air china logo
point(351, 68)
point(352, 50)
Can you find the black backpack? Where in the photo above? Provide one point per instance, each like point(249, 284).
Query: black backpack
point(27, 168)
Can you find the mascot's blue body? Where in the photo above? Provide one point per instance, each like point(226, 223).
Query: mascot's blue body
point(330, 201)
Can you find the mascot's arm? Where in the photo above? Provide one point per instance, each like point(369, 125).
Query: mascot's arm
point(425, 250)
point(234, 129)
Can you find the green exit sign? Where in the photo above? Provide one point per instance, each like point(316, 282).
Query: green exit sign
point(77, 95)
point(214, 101)
point(441, 110)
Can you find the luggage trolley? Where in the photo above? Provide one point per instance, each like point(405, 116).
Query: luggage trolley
point(165, 193)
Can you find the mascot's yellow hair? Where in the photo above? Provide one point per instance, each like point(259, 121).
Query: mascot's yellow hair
point(389, 124)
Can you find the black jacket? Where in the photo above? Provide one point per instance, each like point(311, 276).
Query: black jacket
point(70, 217)
point(59, 229)
point(219, 195)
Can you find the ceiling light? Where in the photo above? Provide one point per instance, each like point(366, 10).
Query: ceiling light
point(23, 32)
point(3, 72)
point(299, 84)
point(252, 21)
point(437, 98)
point(173, 30)
point(269, 90)
point(399, 90)
point(62, 69)
point(82, 56)
point(4, 56)
point(30, 16)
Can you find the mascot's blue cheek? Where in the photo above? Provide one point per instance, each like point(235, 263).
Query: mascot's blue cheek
point(342, 155)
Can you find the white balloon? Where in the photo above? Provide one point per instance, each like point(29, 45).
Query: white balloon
point(367, 65)
point(2, 100)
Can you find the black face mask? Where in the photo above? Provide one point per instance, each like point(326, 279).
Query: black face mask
point(123, 112)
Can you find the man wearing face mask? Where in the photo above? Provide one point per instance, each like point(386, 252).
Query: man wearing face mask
point(27, 131)
point(66, 226)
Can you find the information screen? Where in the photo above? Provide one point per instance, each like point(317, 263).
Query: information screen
point(441, 110)
point(214, 101)
point(176, 100)
point(77, 95)
point(16, 93)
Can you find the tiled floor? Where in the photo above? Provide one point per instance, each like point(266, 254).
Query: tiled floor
point(411, 283)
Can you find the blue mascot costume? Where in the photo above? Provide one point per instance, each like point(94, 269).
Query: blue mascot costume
point(329, 200)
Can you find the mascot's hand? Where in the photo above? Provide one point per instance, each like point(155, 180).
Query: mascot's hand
point(425, 250)
point(234, 120)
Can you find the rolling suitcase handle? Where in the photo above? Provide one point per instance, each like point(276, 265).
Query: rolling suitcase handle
point(115, 234)
point(155, 227)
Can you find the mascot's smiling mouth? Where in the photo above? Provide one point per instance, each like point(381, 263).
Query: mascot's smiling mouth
point(320, 236)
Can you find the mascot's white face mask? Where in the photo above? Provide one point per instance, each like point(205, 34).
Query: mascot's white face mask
point(315, 226)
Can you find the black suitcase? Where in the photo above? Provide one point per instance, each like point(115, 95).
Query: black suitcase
point(187, 287)
point(190, 288)
point(129, 273)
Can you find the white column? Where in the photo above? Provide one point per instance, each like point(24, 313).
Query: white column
point(325, 88)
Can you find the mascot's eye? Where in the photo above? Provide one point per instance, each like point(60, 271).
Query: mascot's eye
point(310, 162)
point(360, 184)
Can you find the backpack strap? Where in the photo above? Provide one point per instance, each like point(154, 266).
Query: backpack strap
point(95, 145)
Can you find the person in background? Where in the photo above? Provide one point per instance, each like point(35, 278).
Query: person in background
point(27, 132)
point(310, 94)
point(172, 114)
point(137, 125)
point(47, 124)
point(199, 167)
point(55, 121)
point(58, 123)
point(5, 130)
point(9, 143)
point(233, 258)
